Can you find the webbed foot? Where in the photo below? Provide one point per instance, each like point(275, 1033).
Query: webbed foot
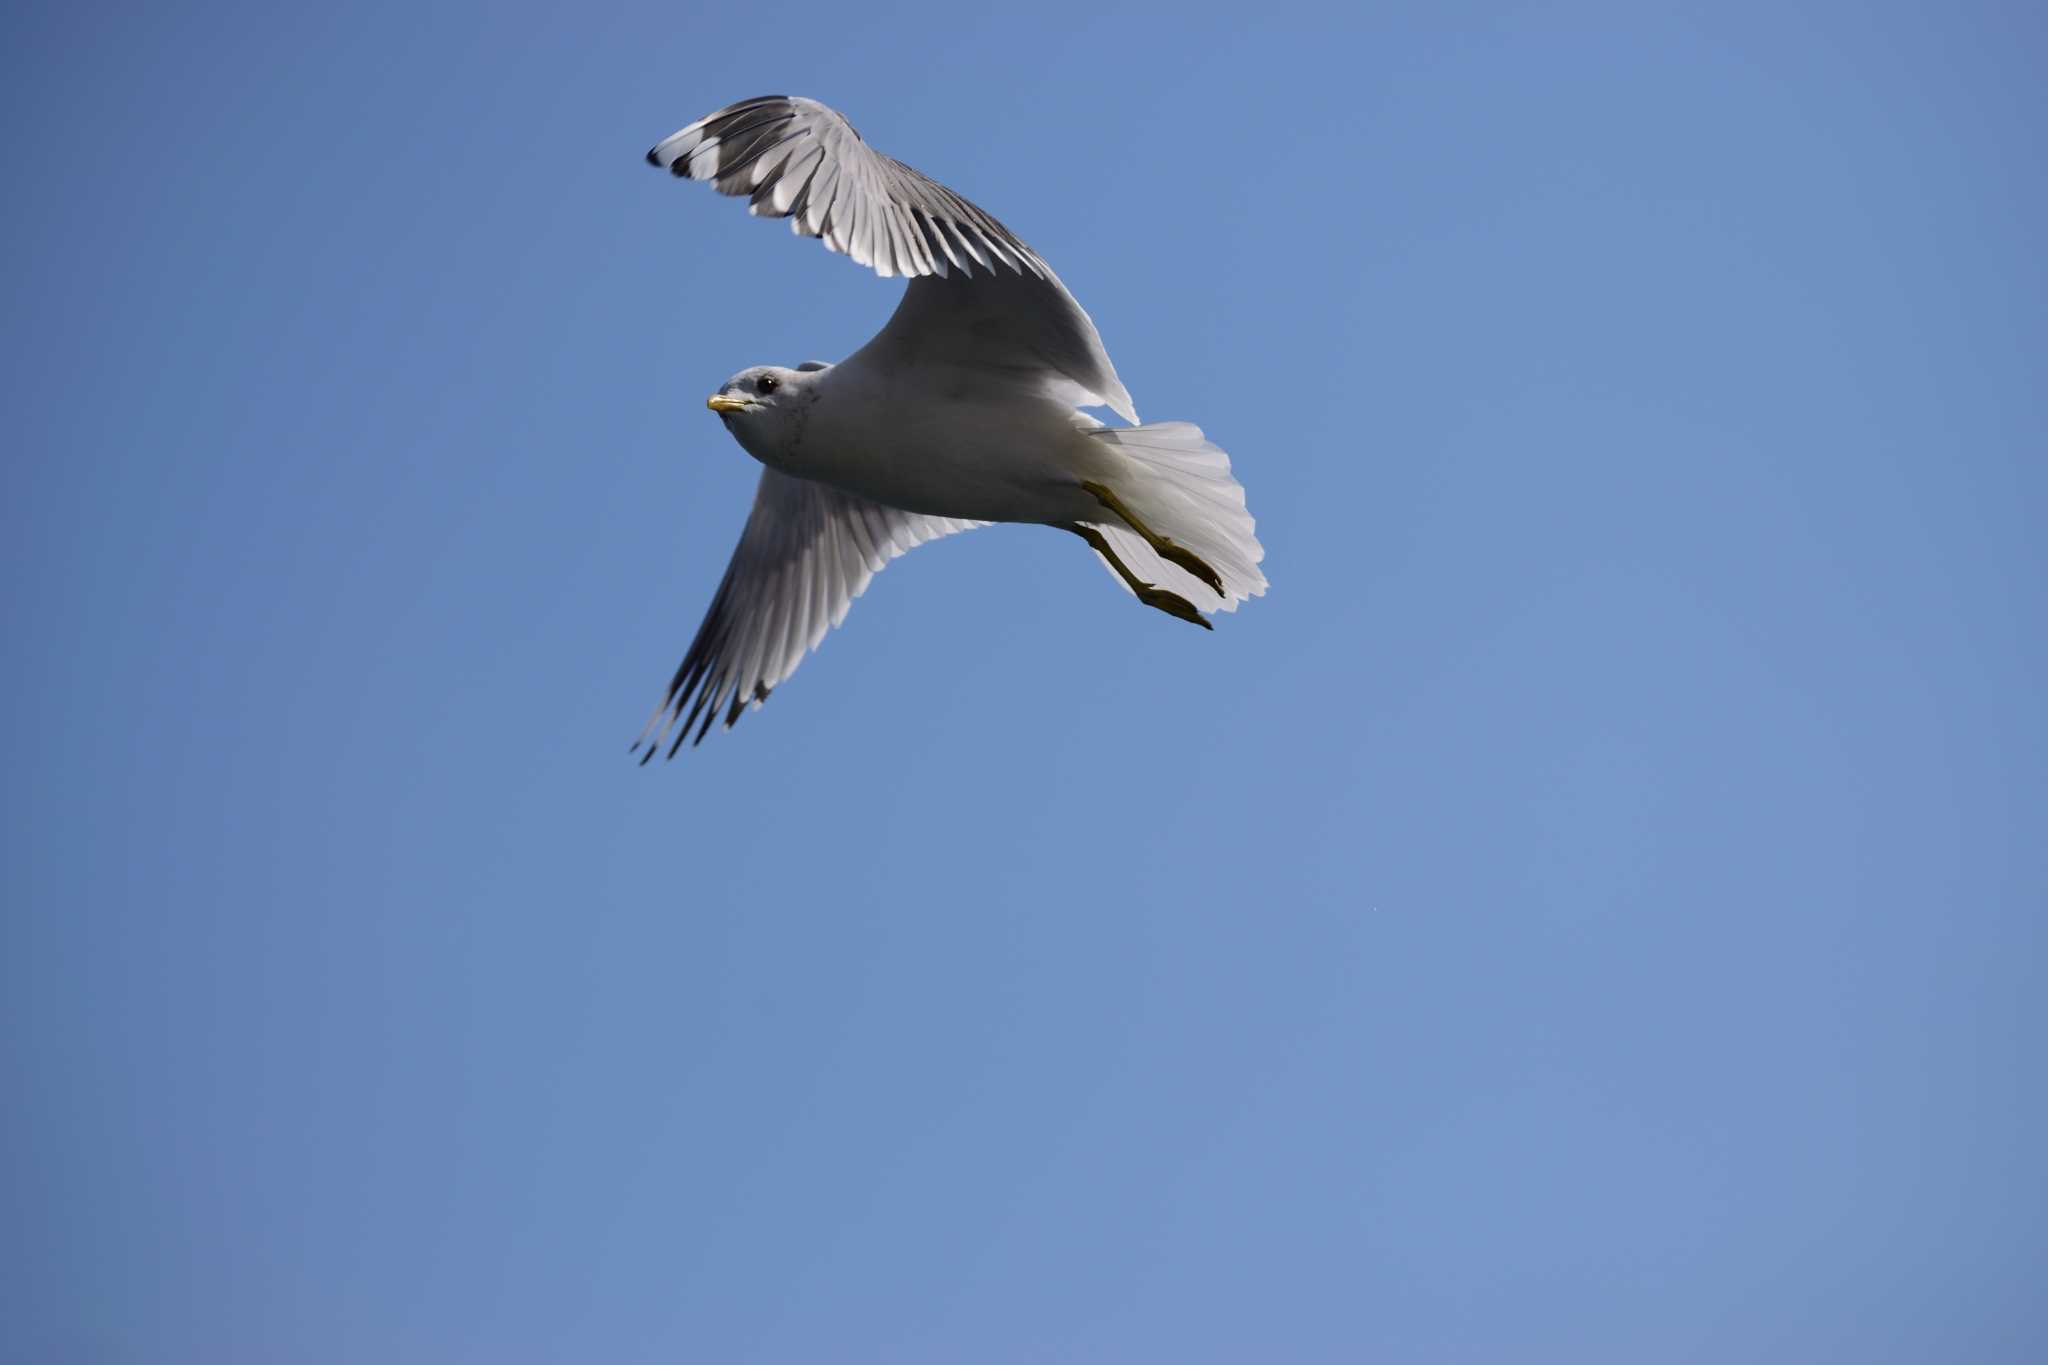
point(1161, 546)
point(1173, 604)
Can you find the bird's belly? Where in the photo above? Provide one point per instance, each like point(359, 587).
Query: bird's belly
point(1018, 461)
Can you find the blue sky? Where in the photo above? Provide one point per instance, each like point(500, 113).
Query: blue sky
point(1590, 910)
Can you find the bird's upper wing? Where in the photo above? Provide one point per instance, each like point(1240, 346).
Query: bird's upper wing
point(807, 552)
point(798, 159)
point(795, 158)
point(1028, 332)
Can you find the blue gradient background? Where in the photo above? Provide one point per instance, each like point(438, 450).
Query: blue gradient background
point(1591, 910)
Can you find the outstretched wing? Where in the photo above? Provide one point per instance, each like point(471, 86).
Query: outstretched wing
point(807, 552)
point(795, 158)
point(798, 159)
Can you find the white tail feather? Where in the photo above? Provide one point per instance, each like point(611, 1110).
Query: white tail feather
point(1179, 484)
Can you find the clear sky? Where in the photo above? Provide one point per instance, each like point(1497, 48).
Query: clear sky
point(1591, 910)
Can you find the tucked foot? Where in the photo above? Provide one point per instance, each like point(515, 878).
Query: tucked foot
point(1192, 562)
point(1161, 546)
point(1173, 604)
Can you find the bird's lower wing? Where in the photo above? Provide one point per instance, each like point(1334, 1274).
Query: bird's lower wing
point(808, 550)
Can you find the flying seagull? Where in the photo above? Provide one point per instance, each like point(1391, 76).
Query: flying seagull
point(965, 409)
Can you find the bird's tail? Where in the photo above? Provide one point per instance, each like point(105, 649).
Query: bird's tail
point(1178, 483)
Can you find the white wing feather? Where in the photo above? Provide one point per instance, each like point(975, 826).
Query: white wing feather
point(798, 159)
point(808, 550)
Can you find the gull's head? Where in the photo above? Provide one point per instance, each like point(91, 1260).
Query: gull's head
point(763, 407)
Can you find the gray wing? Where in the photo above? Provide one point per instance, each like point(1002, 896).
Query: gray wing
point(808, 550)
point(795, 158)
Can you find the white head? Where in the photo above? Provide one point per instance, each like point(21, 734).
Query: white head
point(765, 407)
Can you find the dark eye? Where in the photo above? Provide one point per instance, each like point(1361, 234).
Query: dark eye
point(766, 383)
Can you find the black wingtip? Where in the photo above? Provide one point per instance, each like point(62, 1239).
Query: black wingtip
point(654, 156)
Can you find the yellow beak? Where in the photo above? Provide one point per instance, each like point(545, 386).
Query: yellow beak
point(719, 402)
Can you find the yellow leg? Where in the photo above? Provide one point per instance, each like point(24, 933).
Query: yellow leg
point(1165, 548)
point(1172, 603)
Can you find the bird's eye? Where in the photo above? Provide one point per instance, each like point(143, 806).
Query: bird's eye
point(766, 383)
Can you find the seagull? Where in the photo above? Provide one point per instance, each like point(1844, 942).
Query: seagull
point(965, 409)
